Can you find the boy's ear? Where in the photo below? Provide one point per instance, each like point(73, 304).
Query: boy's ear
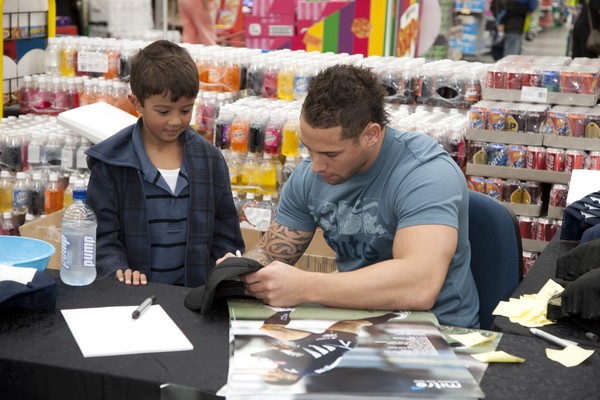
point(135, 102)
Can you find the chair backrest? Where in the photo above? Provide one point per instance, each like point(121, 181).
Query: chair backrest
point(496, 253)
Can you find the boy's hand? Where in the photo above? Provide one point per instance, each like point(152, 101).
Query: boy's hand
point(220, 260)
point(131, 277)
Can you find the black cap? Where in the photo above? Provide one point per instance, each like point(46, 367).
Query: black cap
point(222, 283)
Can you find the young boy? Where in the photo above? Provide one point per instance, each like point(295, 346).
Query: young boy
point(160, 191)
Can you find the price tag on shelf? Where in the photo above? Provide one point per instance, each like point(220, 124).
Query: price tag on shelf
point(534, 94)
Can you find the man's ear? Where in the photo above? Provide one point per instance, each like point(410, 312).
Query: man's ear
point(373, 133)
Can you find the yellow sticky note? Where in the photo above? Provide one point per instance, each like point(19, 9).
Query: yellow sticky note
point(497, 356)
point(550, 289)
point(472, 339)
point(570, 356)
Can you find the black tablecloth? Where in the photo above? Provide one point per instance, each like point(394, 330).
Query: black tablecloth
point(39, 358)
point(543, 270)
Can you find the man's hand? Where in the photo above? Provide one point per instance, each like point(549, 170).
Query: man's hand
point(131, 277)
point(278, 284)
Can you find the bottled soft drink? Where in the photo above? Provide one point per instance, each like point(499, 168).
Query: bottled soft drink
point(74, 182)
point(254, 77)
point(51, 56)
point(6, 191)
point(272, 144)
point(290, 140)
point(53, 150)
point(249, 175)
point(80, 157)
point(7, 226)
point(53, 195)
point(223, 128)
point(256, 132)
point(68, 154)
point(267, 173)
point(38, 195)
point(67, 58)
point(285, 81)
point(237, 201)
point(12, 151)
point(36, 149)
point(78, 247)
point(289, 166)
point(25, 95)
point(239, 132)
point(21, 198)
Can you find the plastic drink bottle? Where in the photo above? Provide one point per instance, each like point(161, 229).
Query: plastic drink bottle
point(53, 196)
point(272, 143)
point(7, 226)
point(6, 191)
point(267, 173)
point(285, 82)
point(78, 246)
point(290, 140)
point(21, 198)
point(249, 175)
point(38, 195)
point(239, 133)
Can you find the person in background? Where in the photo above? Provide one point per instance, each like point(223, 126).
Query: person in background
point(160, 191)
point(581, 28)
point(511, 16)
point(198, 20)
point(392, 204)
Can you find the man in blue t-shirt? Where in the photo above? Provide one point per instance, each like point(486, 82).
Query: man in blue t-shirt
point(393, 206)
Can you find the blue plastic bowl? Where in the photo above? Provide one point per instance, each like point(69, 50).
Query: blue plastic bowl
point(22, 251)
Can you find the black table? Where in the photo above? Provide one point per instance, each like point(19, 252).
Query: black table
point(39, 358)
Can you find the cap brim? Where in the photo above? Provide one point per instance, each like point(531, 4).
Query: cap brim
point(221, 283)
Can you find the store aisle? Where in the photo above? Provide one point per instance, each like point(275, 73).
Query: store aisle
point(551, 42)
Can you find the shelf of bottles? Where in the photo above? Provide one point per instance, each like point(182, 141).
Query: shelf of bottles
point(248, 104)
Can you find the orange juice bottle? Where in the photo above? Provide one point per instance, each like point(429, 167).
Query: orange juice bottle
point(290, 139)
point(215, 73)
point(267, 173)
point(53, 196)
point(239, 132)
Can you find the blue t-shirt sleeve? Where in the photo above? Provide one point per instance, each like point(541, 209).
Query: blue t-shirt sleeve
point(293, 210)
point(434, 197)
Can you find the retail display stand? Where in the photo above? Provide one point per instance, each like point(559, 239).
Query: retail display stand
point(16, 29)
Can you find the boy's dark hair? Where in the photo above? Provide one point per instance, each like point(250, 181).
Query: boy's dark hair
point(347, 96)
point(163, 67)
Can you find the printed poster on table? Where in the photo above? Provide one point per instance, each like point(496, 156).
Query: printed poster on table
point(314, 352)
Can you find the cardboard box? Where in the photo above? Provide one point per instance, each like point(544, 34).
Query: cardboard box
point(48, 229)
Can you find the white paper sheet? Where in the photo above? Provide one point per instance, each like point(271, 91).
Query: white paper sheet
point(21, 275)
point(110, 331)
point(583, 182)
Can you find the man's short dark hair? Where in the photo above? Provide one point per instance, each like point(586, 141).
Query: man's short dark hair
point(347, 96)
point(164, 67)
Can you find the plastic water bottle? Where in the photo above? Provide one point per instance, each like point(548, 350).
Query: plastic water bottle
point(78, 249)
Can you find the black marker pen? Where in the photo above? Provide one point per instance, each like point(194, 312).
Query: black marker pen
point(143, 307)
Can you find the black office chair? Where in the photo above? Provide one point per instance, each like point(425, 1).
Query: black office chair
point(496, 253)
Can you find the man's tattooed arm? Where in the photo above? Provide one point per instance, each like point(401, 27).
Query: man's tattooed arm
point(280, 243)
